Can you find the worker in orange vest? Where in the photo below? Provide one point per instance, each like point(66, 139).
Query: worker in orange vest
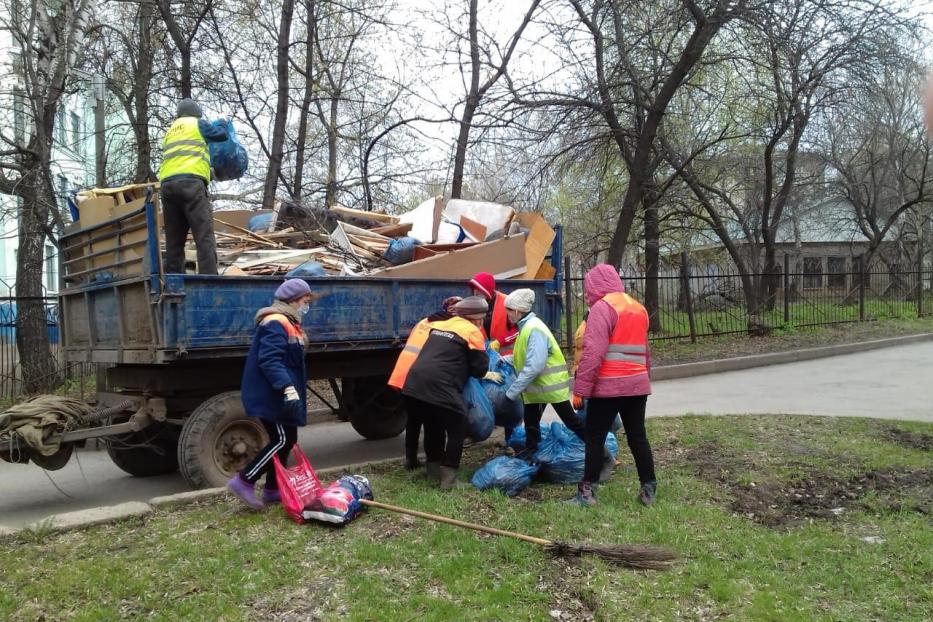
point(613, 373)
point(406, 358)
point(496, 325)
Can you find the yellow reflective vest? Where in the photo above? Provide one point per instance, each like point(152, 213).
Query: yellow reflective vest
point(184, 151)
point(553, 384)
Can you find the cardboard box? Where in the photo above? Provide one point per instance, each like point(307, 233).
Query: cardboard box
point(538, 244)
point(504, 258)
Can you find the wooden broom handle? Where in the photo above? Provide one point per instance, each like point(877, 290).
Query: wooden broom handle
point(458, 523)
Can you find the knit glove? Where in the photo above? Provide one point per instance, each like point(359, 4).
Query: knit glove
point(292, 406)
point(494, 376)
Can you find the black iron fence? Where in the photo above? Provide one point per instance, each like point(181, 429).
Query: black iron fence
point(64, 377)
point(694, 302)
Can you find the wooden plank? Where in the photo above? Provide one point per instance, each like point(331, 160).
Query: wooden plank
point(537, 243)
point(394, 231)
point(356, 213)
point(546, 272)
point(364, 233)
point(252, 234)
point(504, 258)
point(285, 255)
point(473, 229)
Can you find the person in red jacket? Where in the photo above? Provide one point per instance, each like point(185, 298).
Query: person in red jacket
point(495, 325)
point(614, 374)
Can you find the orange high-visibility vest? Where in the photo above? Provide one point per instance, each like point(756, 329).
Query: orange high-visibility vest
point(628, 346)
point(408, 355)
point(294, 331)
point(499, 326)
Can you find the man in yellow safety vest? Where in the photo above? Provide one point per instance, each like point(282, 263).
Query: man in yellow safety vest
point(184, 176)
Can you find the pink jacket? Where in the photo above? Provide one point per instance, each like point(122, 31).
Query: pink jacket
point(601, 280)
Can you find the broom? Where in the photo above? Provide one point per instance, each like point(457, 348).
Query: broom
point(643, 556)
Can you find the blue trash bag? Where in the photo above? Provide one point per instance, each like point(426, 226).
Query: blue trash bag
point(400, 251)
point(562, 454)
point(259, 223)
point(479, 417)
point(308, 268)
point(510, 475)
point(508, 413)
point(518, 437)
point(228, 157)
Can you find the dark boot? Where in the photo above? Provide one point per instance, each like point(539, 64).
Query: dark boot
point(586, 495)
point(647, 493)
point(412, 463)
point(449, 479)
point(433, 471)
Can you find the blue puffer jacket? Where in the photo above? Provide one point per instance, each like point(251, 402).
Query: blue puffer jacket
point(276, 360)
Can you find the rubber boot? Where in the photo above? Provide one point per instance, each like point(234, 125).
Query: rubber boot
point(271, 496)
point(433, 471)
point(449, 479)
point(245, 491)
point(586, 495)
point(648, 492)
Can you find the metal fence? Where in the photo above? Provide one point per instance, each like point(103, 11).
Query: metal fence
point(70, 378)
point(694, 303)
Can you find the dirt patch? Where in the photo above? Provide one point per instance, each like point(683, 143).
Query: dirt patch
point(817, 495)
point(910, 440)
point(311, 602)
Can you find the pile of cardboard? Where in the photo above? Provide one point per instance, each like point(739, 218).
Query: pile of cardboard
point(455, 239)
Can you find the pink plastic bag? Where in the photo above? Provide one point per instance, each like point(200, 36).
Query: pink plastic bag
point(298, 485)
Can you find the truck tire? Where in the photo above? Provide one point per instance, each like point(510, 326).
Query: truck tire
point(377, 411)
point(217, 440)
point(130, 451)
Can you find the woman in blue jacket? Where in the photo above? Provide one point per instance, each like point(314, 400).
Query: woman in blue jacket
point(273, 387)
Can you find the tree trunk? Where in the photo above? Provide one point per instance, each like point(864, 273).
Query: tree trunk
point(305, 110)
point(38, 367)
point(652, 261)
point(330, 196)
point(141, 92)
point(281, 106)
point(469, 107)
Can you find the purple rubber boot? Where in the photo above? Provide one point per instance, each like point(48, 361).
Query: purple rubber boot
point(245, 491)
point(271, 496)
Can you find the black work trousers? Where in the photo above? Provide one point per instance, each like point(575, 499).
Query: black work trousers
point(444, 431)
point(412, 434)
point(600, 413)
point(282, 437)
point(185, 206)
point(533, 414)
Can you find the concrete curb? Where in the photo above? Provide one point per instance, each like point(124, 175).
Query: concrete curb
point(169, 502)
point(700, 368)
point(92, 516)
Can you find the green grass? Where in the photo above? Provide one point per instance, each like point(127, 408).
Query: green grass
point(216, 561)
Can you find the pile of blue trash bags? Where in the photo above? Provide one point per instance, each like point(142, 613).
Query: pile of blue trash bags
point(559, 459)
point(487, 405)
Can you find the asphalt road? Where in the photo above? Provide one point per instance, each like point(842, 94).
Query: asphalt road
point(893, 383)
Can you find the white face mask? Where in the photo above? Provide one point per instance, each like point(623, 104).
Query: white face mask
point(302, 310)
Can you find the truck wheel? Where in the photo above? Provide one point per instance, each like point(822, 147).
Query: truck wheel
point(377, 411)
point(217, 440)
point(150, 451)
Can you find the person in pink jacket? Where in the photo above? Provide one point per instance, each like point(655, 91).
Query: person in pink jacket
point(613, 374)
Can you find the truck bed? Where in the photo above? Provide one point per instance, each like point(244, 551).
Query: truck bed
point(124, 310)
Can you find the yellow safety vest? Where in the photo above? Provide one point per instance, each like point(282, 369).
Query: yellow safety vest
point(184, 151)
point(553, 385)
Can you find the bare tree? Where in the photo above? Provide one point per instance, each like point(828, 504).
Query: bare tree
point(47, 37)
point(183, 20)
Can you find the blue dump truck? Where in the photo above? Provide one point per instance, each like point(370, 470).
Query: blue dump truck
point(174, 346)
